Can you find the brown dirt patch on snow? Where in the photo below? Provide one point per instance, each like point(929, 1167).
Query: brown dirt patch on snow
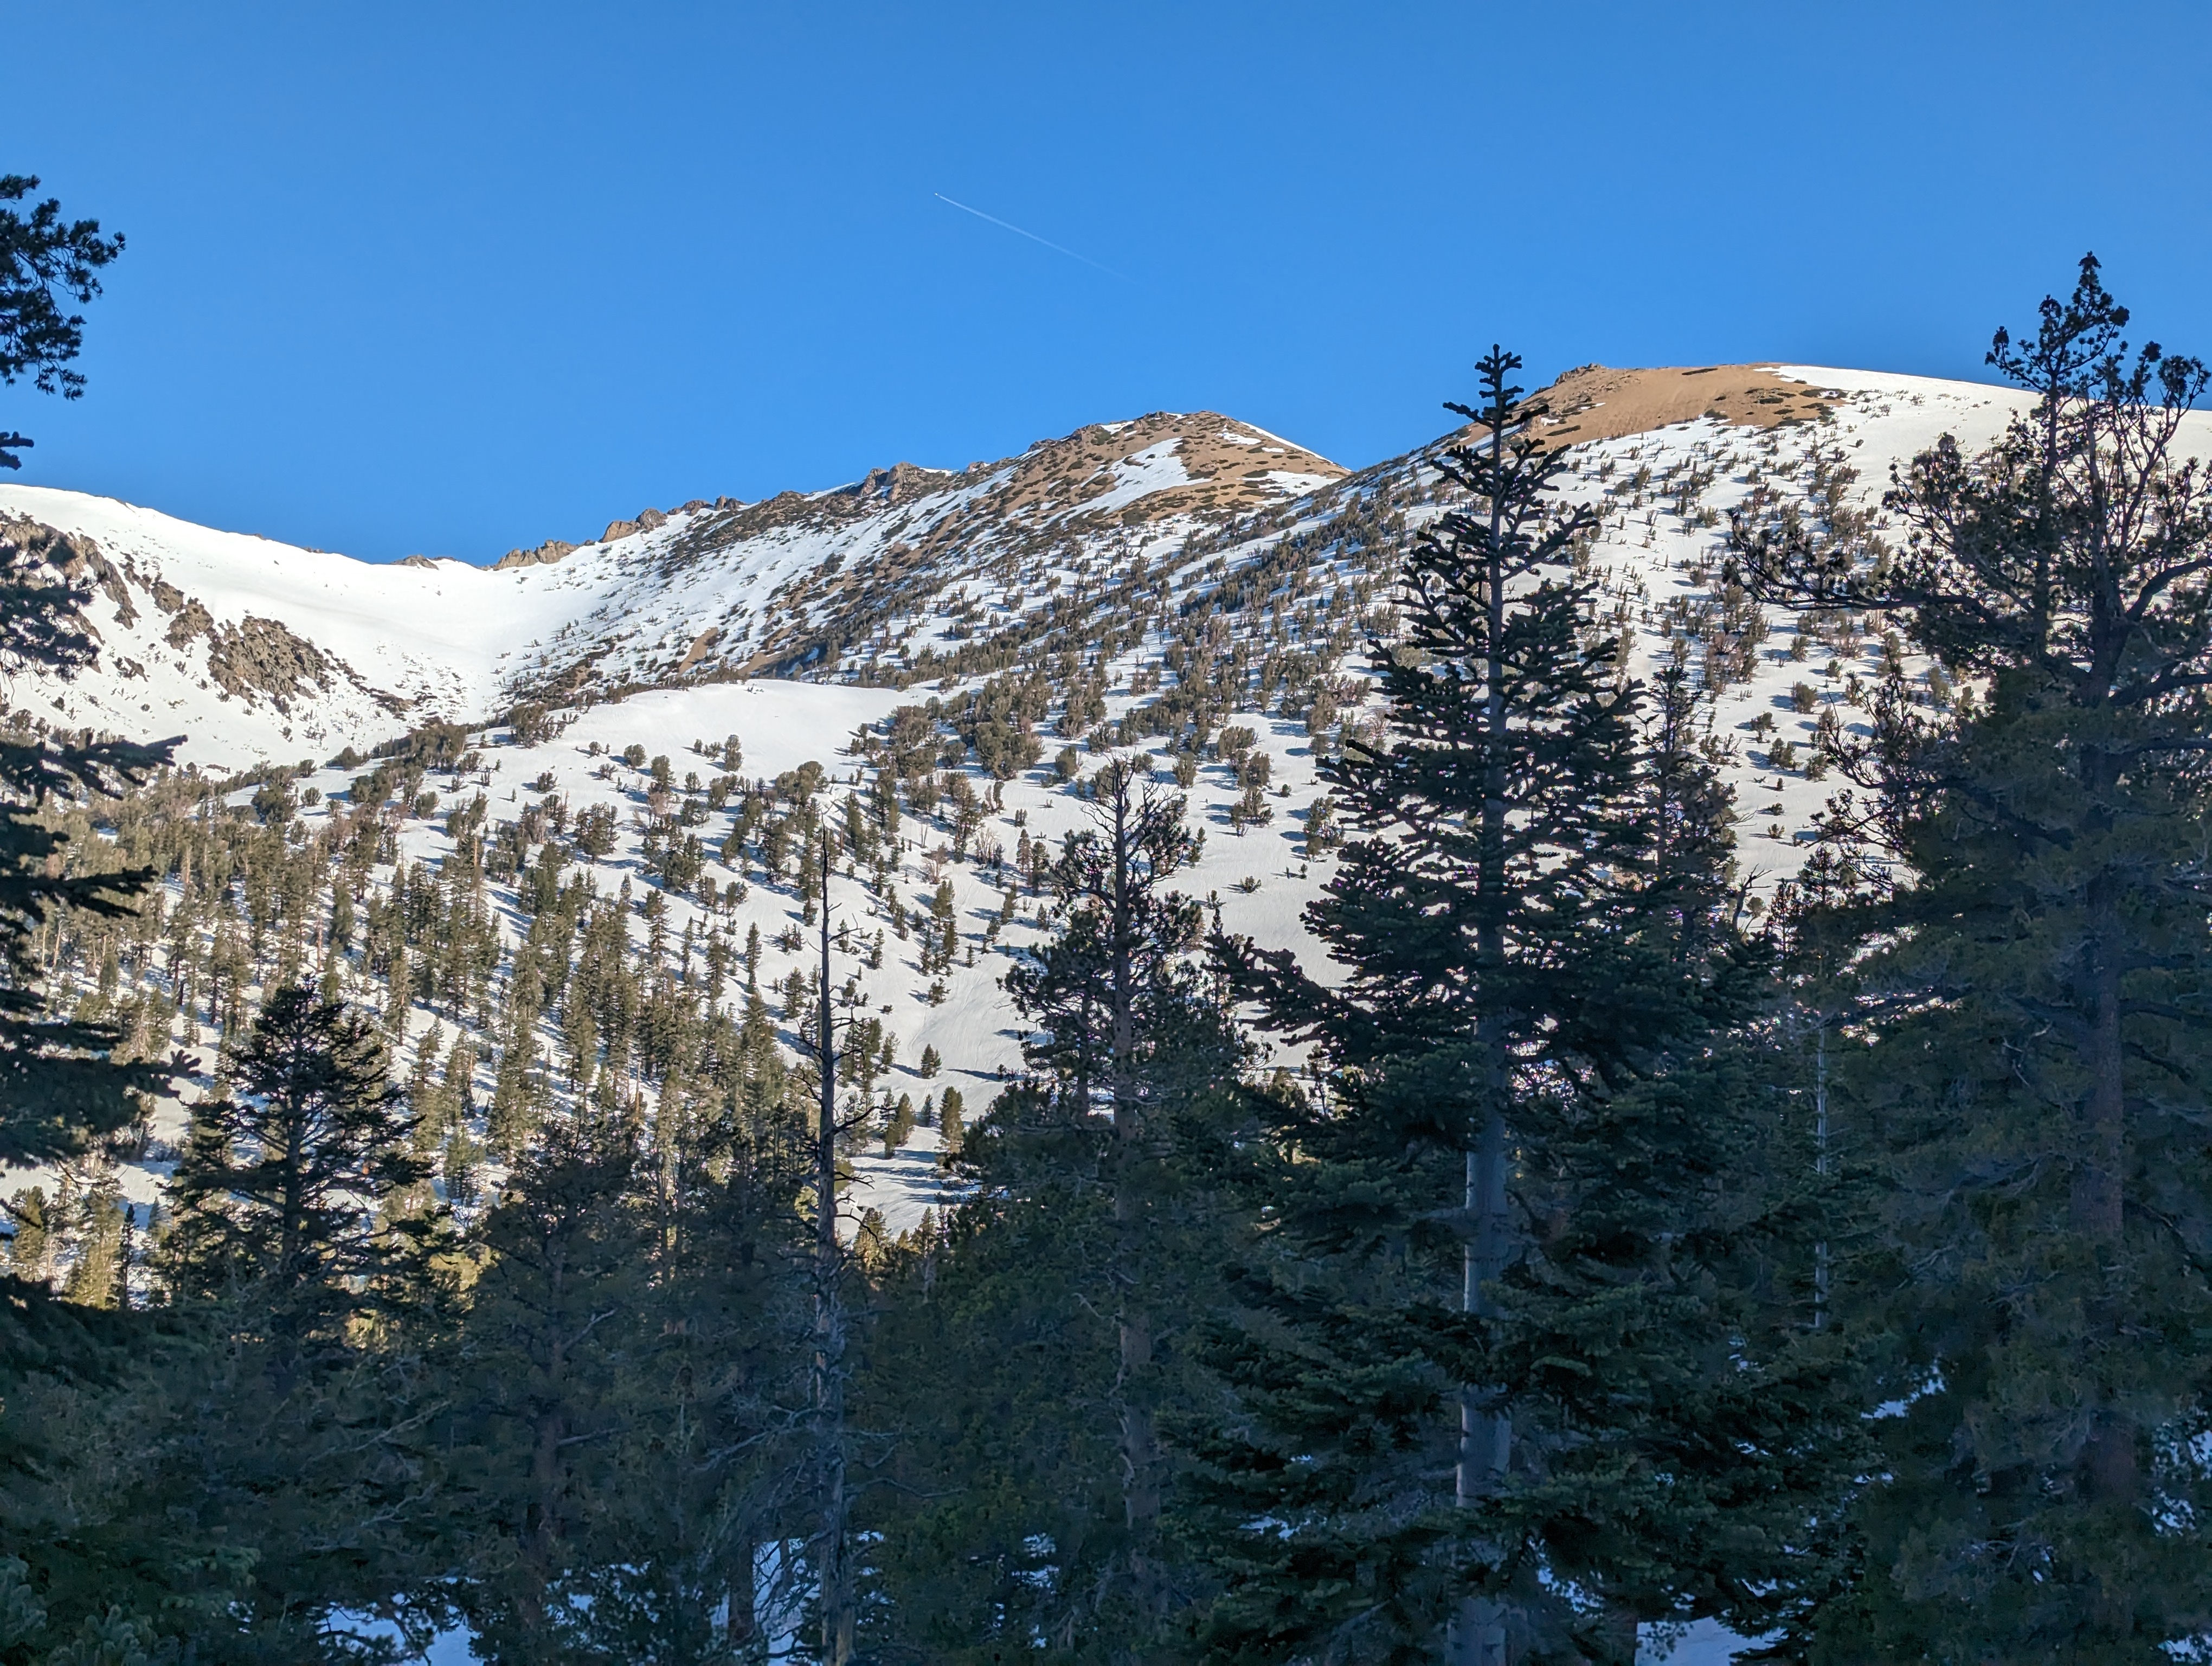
point(1227, 464)
point(1597, 402)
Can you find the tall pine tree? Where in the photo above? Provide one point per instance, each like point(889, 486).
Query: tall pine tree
point(2035, 979)
point(1036, 1362)
point(312, 1294)
point(1497, 1404)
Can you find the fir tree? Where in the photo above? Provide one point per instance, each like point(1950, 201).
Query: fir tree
point(536, 1384)
point(2035, 978)
point(274, 1197)
point(1487, 1360)
point(1049, 1342)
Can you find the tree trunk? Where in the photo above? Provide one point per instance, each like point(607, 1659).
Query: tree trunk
point(1477, 1634)
point(836, 1578)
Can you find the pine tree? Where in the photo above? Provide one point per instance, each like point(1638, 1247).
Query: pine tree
point(1691, 1419)
point(951, 1125)
point(711, 1466)
point(537, 1379)
point(1513, 750)
point(2035, 980)
point(273, 1195)
point(829, 1434)
point(1483, 1348)
point(1033, 1361)
point(100, 1243)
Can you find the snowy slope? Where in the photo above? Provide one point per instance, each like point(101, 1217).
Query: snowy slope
point(708, 592)
point(792, 622)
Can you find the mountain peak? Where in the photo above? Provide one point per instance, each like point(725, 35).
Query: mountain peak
point(1598, 402)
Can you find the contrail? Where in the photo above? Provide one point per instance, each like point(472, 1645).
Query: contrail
point(1032, 235)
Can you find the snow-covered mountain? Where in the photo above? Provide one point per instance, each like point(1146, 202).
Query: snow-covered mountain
point(1099, 592)
point(1122, 539)
point(258, 649)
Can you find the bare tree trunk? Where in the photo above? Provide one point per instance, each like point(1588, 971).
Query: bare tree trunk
point(835, 1577)
point(1139, 1438)
point(1476, 1636)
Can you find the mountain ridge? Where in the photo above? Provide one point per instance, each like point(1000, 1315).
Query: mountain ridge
point(264, 652)
point(979, 642)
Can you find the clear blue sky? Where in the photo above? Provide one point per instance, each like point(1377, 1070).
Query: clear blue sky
point(453, 277)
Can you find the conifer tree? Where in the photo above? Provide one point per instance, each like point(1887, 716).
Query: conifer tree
point(273, 1197)
point(1049, 1342)
point(830, 1550)
point(287, 1252)
point(1512, 752)
point(2035, 980)
point(1476, 1371)
point(536, 1384)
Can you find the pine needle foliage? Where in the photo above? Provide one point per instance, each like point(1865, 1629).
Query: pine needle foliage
point(1508, 1375)
point(2036, 981)
point(277, 1194)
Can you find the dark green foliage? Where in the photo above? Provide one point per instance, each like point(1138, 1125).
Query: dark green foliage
point(91, 1542)
point(1514, 1377)
point(2036, 988)
point(595, 832)
point(286, 1439)
point(627, 1356)
point(1032, 1358)
point(61, 1089)
point(272, 1193)
point(43, 260)
point(999, 720)
point(1462, 935)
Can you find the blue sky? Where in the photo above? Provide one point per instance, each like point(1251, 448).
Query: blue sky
point(455, 277)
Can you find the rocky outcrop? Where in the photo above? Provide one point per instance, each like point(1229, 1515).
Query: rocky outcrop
point(544, 555)
point(75, 556)
point(901, 482)
point(192, 620)
point(647, 520)
point(260, 656)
